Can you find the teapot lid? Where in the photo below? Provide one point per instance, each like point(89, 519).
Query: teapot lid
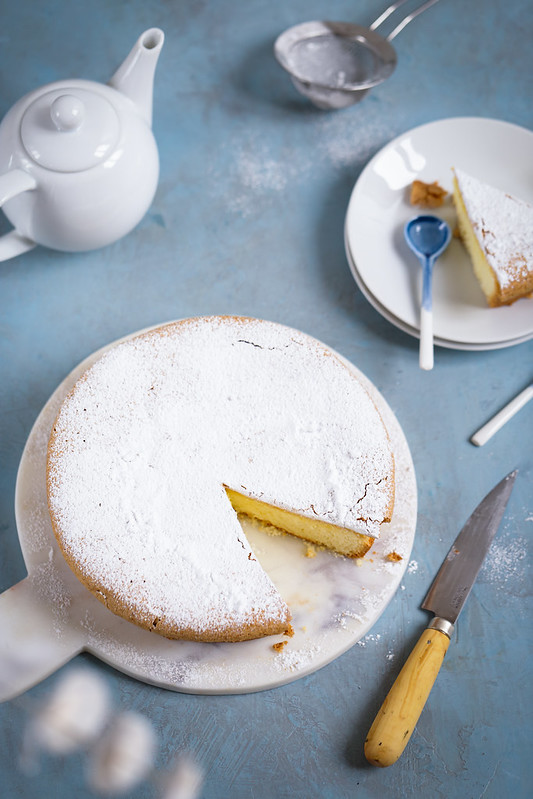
point(70, 129)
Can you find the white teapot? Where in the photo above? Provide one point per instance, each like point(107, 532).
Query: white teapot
point(78, 161)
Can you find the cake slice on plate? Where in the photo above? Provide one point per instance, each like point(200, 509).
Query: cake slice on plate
point(497, 231)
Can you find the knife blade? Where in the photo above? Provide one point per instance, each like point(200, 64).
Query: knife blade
point(397, 718)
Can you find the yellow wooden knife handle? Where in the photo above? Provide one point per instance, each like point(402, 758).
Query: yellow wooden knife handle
point(405, 701)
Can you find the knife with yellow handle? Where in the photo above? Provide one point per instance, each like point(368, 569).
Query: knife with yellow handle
point(405, 701)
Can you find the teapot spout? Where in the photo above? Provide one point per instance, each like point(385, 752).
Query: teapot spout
point(135, 76)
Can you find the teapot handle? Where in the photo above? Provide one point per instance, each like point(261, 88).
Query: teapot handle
point(11, 184)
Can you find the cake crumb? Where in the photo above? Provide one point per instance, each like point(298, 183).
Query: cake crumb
point(310, 552)
point(427, 195)
point(290, 631)
point(394, 557)
point(279, 646)
point(359, 561)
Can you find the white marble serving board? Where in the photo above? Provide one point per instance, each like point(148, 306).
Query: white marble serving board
point(49, 617)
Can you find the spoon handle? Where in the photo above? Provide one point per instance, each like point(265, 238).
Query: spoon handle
point(426, 339)
point(426, 319)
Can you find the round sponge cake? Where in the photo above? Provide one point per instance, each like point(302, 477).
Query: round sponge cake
point(171, 433)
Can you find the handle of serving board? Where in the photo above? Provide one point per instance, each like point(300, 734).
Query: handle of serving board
point(405, 701)
point(32, 643)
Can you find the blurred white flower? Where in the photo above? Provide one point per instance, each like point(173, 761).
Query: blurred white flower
point(120, 747)
point(124, 756)
point(74, 715)
point(185, 780)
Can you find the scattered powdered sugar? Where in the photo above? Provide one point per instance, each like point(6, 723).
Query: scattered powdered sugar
point(372, 637)
point(503, 226)
point(262, 174)
point(375, 639)
point(212, 674)
point(260, 171)
point(368, 603)
point(35, 537)
point(344, 145)
point(257, 174)
point(296, 659)
point(341, 619)
point(172, 671)
point(163, 422)
point(506, 561)
point(52, 591)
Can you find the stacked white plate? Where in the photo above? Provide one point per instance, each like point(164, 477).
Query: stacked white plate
point(387, 272)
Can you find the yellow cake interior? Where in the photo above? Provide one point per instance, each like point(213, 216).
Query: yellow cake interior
point(496, 229)
point(482, 269)
point(339, 539)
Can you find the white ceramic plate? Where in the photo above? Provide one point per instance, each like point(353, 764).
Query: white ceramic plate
point(497, 152)
point(50, 616)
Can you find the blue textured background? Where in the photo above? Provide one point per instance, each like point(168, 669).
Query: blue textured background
point(248, 219)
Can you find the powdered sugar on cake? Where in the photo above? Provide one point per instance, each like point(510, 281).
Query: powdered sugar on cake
point(503, 226)
point(148, 438)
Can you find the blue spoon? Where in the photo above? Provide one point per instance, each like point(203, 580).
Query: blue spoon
point(428, 237)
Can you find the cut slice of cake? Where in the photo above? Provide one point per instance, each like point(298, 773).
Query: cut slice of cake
point(170, 434)
point(497, 231)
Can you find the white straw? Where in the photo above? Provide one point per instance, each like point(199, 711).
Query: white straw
point(503, 416)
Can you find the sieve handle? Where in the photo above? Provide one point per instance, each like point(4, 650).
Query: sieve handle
point(392, 8)
point(32, 645)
